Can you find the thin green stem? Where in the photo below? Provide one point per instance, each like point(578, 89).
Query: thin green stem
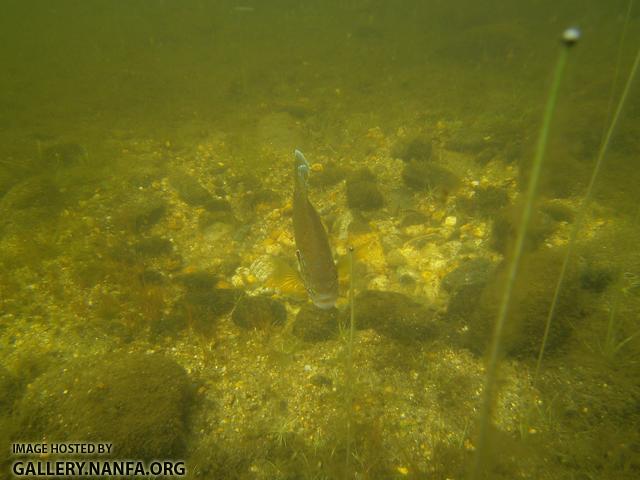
point(486, 406)
point(349, 366)
point(583, 210)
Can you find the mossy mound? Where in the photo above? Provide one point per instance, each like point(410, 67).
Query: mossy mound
point(427, 175)
point(363, 192)
point(505, 229)
point(30, 202)
point(138, 402)
point(140, 213)
point(62, 155)
point(9, 391)
point(331, 174)
point(418, 149)
point(258, 312)
point(200, 308)
point(530, 303)
point(313, 324)
point(394, 315)
point(189, 189)
point(153, 246)
point(486, 202)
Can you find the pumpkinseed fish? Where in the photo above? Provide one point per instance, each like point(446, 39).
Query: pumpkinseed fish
point(317, 268)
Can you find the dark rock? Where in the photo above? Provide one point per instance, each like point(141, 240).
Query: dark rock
point(201, 307)
point(63, 155)
point(261, 197)
point(596, 278)
point(209, 218)
point(394, 315)
point(35, 192)
point(258, 312)
point(423, 176)
point(217, 205)
point(313, 324)
point(417, 149)
point(362, 191)
point(139, 402)
point(470, 142)
point(9, 391)
point(151, 277)
point(558, 211)
point(145, 213)
point(364, 196)
point(199, 280)
point(321, 381)
point(486, 202)
point(31, 205)
point(476, 271)
point(245, 182)
point(230, 262)
point(190, 190)
point(359, 225)
point(505, 226)
point(413, 218)
point(564, 175)
point(154, 246)
point(465, 285)
point(331, 174)
point(216, 302)
point(531, 299)
point(362, 175)
point(169, 325)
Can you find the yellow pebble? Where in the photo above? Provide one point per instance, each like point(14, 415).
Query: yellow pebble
point(403, 470)
point(317, 167)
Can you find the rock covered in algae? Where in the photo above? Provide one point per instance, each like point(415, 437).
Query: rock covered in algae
point(313, 324)
point(203, 302)
point(138, 402)
point(331, 174)
point(395, 315)
point(363, 192)
point(532, 295)
point(194, 194)
point(428, 175)
point(63, 155)
point(258, 312)
point(418, 149)
point(505, 227)
point(485, 201)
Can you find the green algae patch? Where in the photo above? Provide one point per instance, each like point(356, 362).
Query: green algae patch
point(258, 312)
point(138, 402)
point(395, 315)
point(313, 324)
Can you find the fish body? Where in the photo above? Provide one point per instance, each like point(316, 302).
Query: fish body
point(317, 268)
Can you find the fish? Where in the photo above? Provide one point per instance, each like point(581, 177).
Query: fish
point(315, 260)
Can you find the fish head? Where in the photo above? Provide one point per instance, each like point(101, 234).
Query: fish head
point(324, 299)
point(302, 167)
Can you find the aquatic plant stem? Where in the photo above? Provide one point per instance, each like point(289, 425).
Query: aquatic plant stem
point(349, 370)
point(583, 210)
point(486, 405)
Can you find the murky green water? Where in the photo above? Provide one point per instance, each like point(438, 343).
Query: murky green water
point(149, 294)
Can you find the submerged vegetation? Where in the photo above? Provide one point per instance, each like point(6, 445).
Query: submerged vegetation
point(149, 292)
